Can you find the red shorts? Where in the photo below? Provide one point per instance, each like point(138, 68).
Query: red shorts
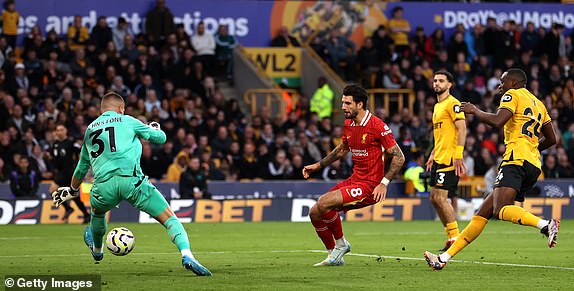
point(356, 194)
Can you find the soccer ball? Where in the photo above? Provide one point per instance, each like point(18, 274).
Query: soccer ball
point(120, 241)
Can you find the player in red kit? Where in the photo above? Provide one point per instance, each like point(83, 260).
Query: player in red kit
point(367, 138)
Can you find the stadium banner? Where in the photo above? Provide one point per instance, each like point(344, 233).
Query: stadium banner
point(258, 210)
point(552, 188)
point(431, 16)
point(280, 64)
point(246, 20)
point(255, 22)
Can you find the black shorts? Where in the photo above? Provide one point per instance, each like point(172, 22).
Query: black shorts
point(443, 180)
point(520, 178)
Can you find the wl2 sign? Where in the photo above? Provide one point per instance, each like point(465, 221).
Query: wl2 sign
point(277, 62)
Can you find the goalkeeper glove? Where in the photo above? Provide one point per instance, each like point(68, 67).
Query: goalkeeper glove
point(154, 125)
point(64, 194)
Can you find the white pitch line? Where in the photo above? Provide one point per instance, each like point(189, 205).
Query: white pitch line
point(316, 251)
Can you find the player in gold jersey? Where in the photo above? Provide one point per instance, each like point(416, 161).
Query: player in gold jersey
point(445, 161)
point(524, 117)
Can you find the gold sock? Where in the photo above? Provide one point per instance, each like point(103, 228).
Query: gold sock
point(518, 215)
point(470, 233)
point(451, 229)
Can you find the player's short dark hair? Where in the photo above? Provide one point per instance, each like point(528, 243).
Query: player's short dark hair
point(359, 94)
point(449, 76)
point(517, 75)
point(112, 96)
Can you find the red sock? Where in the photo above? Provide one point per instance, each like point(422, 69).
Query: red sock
point(324, 233)
point(333, 221)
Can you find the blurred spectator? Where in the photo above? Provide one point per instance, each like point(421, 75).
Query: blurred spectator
point(434, 43)
point(341, 52)
point(17, 119)
point(181, 34)
point(20, 80)
point(204, 44)
point(4, 175)
point(468, 162)
point(159, 23)
point(247, 164)
point(565, 169)
point(530, 40)
point(222, 142)
point(399, 29)
point(42, 162)
point(382, 43)
point(369, 59)
point(469, 94)
point(457, 45)
point(549, 167)
point(414, 171)
point(322, 100)
point(193, 182)
point(78, 34)
point(490, 178)
point(307, 149)
point(283, 39)
point(225, 43)
point(10, 18)
point(120, 32)
point(150, 162)
point(553, 42)
point(335, 171)
point(475, 42)
point(278, 168)
point(177, 167)
point(24, 181)
point(101, 34)
point(394, 79)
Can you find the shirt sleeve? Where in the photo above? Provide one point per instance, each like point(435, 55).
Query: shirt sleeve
point(156, 136)
point(84, 162)
point(508, 101)
point(387, 138)
point(455, 112)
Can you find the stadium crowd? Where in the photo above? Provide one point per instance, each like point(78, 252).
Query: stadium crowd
point(167, 76)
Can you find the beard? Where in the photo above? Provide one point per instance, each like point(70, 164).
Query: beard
point(439, 91)
point(352, 115)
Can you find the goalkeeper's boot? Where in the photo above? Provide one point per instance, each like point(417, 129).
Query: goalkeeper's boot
point(193, 265)
point(551, 232)
point(447, 245)
point(338, 253)
point(90, 243)
point(327, 262)
point(434, 261)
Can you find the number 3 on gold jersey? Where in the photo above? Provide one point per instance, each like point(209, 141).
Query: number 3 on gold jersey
point(525, 127)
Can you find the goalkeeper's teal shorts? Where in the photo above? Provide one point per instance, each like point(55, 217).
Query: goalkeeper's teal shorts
point(138, 191)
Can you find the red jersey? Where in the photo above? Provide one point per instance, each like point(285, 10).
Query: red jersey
point(367, 142)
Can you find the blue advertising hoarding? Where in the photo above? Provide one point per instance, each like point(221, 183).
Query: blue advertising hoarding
point(254, 22)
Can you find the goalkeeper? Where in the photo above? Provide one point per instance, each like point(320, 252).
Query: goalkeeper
point(112, 148)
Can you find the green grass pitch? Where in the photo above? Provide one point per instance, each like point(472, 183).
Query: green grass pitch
point(280, 255)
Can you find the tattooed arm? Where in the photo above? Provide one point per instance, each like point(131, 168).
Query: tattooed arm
point(397, 160)
point(337, 153)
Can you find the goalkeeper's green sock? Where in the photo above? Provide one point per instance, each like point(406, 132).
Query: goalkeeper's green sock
point(178, 235)
point(98, 225)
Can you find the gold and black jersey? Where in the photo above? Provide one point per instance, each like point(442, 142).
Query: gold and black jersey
point(446, 112)
point(522, 130)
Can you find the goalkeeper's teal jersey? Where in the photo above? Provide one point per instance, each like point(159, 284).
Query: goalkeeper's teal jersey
point(112, 148)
